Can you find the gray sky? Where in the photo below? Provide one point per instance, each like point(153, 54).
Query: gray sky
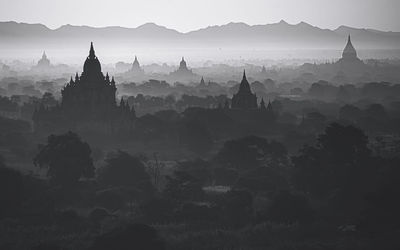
point(186, 15)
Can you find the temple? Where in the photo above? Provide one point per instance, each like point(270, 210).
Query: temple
point(263, 70)
point(349, 54)
point(183, 72)
point(136, 69)
point(202, 84)
point(88, 101)
point(43, 64)
point(244, 99)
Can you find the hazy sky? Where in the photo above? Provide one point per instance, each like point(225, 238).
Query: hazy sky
point(186, 15)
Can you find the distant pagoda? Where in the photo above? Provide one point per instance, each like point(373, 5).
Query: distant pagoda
point(136, 69)
point(88, 100)
point(202, 84)
point(244, 98)
point(43, 63)
point(349, 53)
point(182, 71)
point(263, 70)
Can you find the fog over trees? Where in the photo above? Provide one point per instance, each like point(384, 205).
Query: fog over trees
point(277, 136)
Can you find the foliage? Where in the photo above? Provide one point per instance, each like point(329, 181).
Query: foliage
point(134, 236)
point(11, 191)
point(334, 163)
point(66, 157)
point(123, 169)
point(287, 207)
point(182, 186)
point(252, 151)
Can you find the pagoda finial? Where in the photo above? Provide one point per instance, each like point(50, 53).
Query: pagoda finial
point(91, 52)
point(349, 40)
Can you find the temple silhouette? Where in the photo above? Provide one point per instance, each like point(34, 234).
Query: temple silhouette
point(183, 73)
point(88, 103)
point(43, 65)
point(349, 68)
point(202, 84)
point(136, 69)
point(244, 98)
point(349, 54)
point(44, 62)
point(244, 107)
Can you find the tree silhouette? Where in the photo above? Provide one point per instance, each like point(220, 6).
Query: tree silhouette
point(197, 137)
point(289, 207)
point(134, 236)
point(337, 161)
point(251, 151)
point(182, 186)
point(66, 157)
point(123, 169)
point(11, 191)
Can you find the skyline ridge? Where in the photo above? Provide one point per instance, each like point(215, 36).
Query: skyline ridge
point(154, 24)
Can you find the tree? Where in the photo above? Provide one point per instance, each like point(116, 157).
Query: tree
point(287, 207)
point(123, 169)
point(182, 186)
point(251, 151)
point(48, 100)
point(158, 210)
point(66, 157)
point(339, 159)
point(350, 113)
point(376, 111)
point(199, 168)
point(381, 211)
point(133, 236)
point(197, 137)
point(11, 191)
point(237, 207)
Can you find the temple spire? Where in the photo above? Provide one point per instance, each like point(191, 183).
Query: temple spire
point(202, 82)
point(262, 105)
point(349, 53)
point(91, 52)
point(269, 106)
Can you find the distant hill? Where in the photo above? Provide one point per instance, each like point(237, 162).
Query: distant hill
point(68, 44)
point(282, 34)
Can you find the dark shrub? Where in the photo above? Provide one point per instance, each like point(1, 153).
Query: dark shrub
point(287, 207)
point(134, 236)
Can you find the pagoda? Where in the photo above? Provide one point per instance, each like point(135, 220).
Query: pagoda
point(244, 98)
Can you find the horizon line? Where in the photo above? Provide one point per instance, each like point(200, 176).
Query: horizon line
point(282, 21)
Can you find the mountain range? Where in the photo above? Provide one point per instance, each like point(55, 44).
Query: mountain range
point(276, 35)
